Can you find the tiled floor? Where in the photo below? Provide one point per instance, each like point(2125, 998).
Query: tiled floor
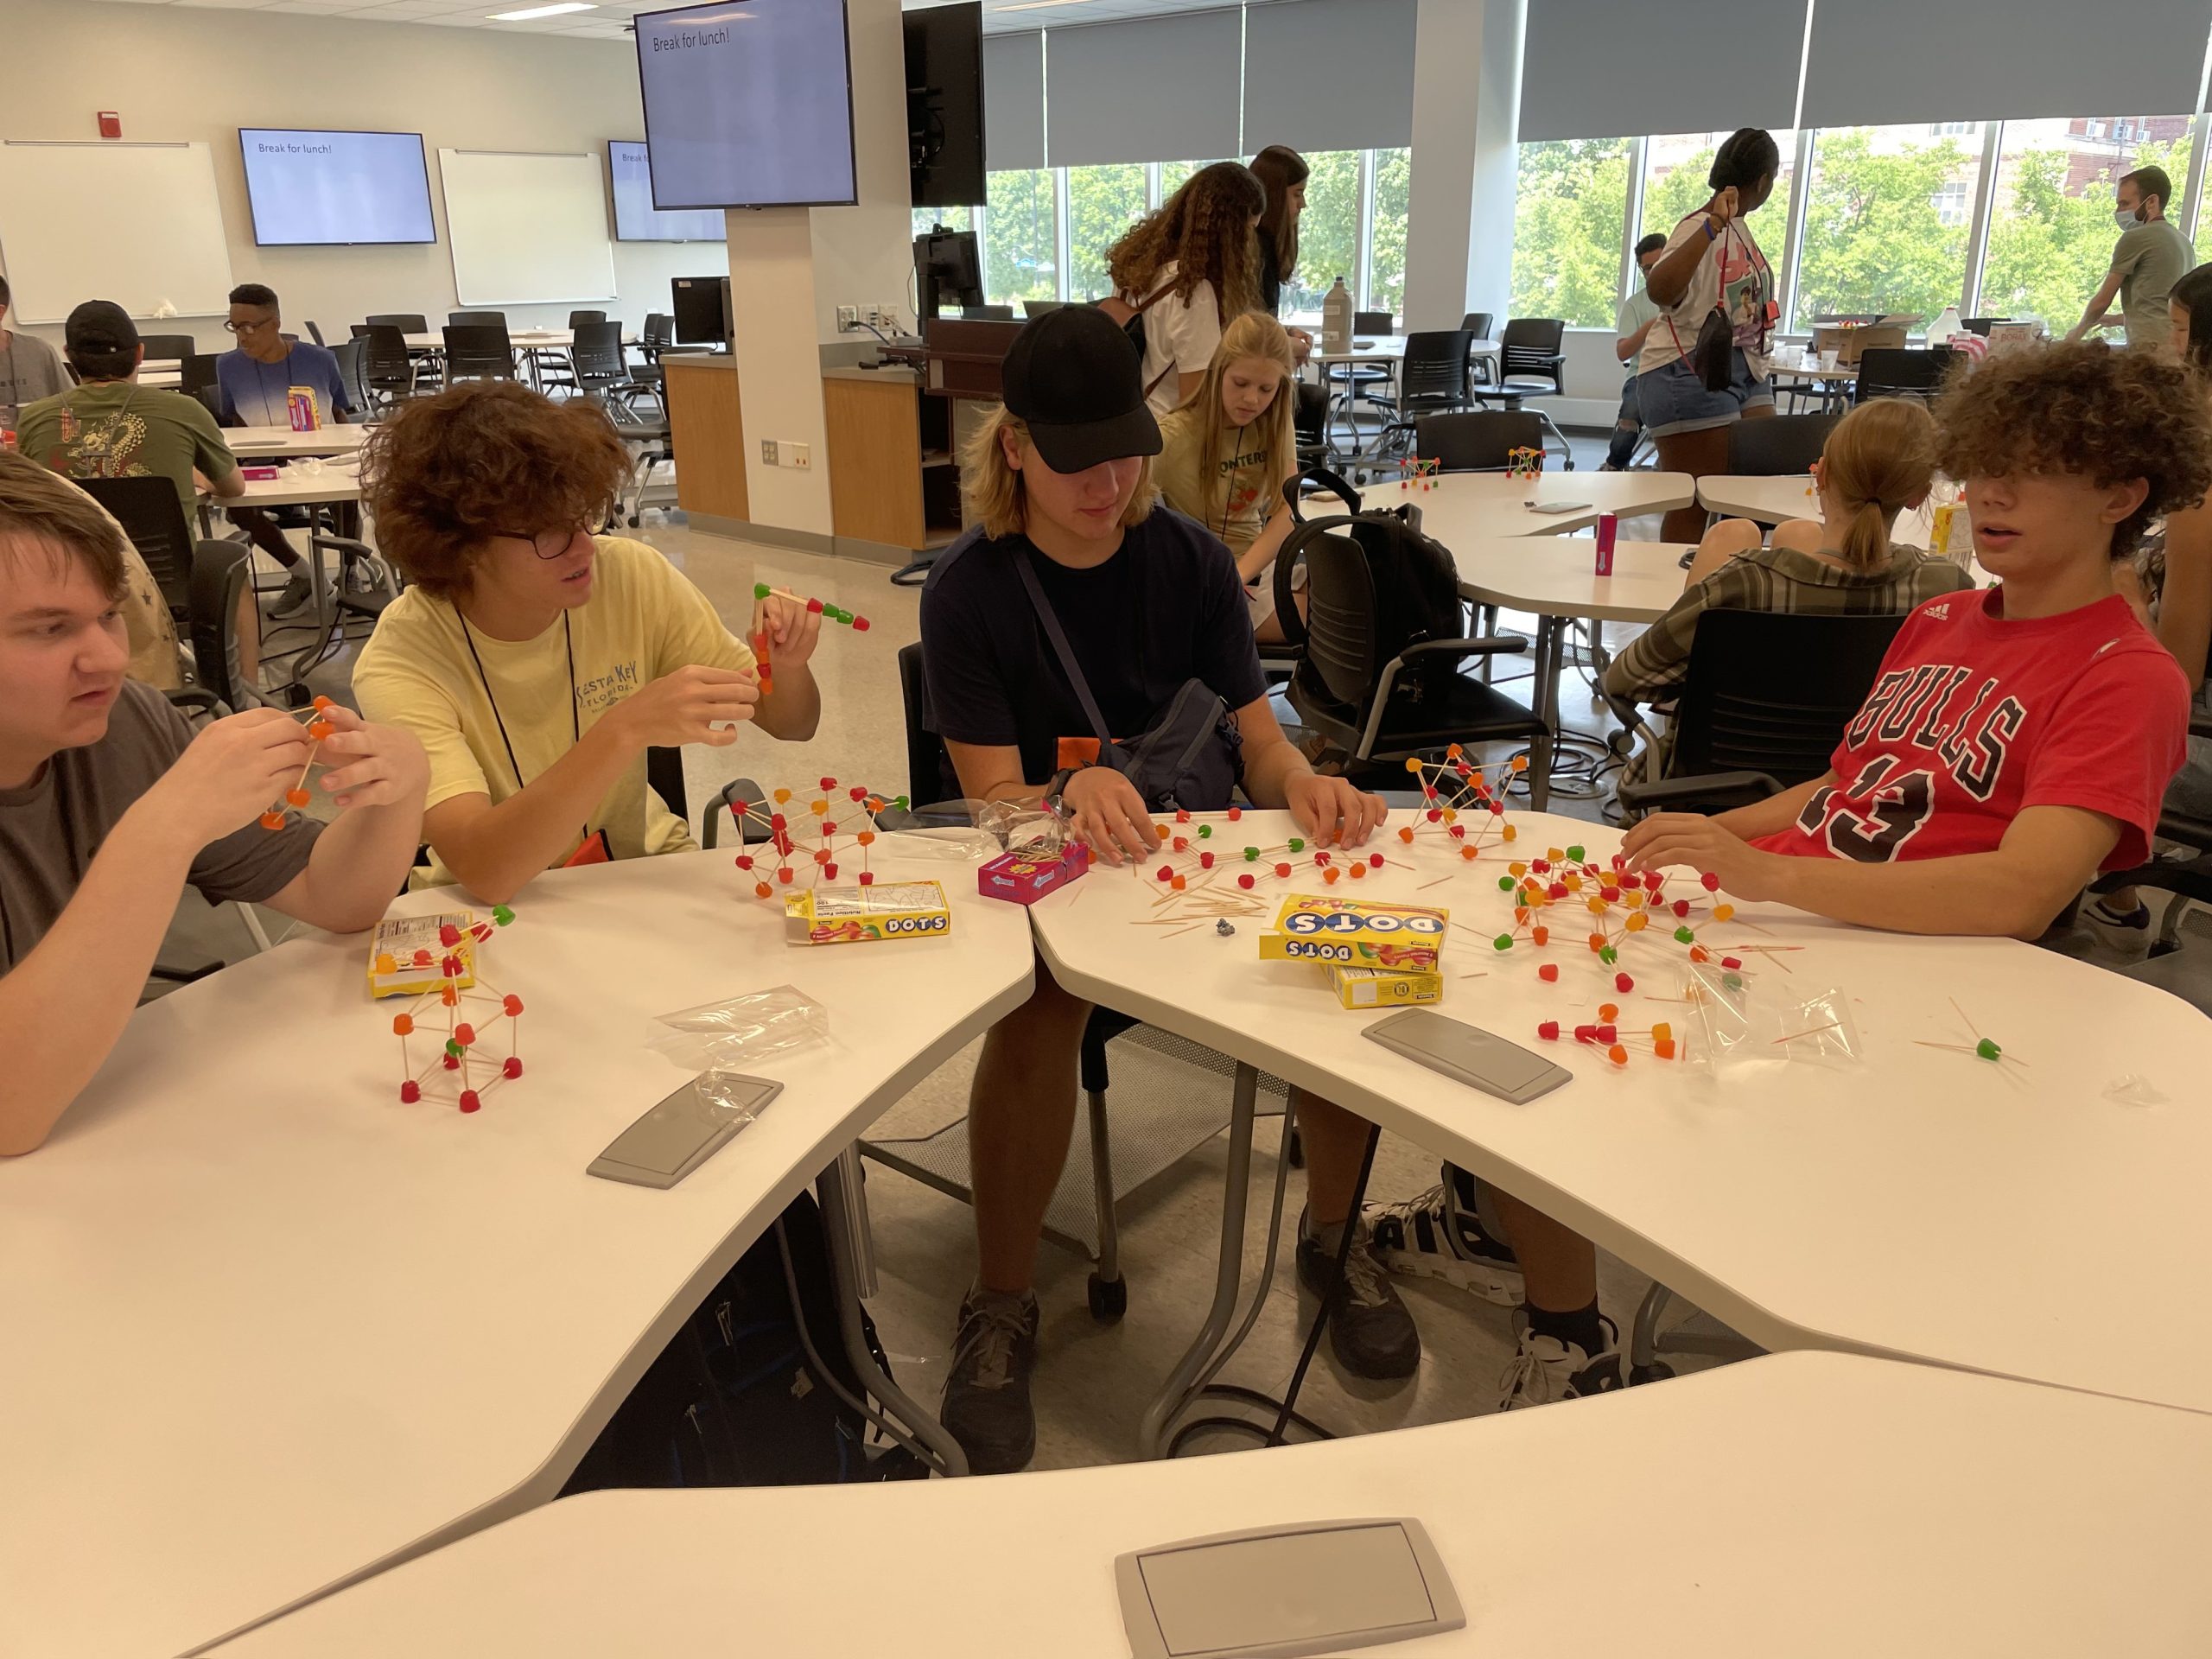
point(1093, 1379)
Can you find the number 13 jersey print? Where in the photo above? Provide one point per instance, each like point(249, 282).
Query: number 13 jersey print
point(1974, 718)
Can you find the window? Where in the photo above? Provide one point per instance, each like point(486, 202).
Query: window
point(2050, 225)
point(1874, 240)
point(1386, 234)
point(1955, 129)
point(1102, 203)
point(1953, 203)
point(1570, 213)
point(1328, 234)
point(953, 219)
point(1021, 239)
point(1676, 167)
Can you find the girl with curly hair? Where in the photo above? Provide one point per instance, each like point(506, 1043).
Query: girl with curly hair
point(1188, 270)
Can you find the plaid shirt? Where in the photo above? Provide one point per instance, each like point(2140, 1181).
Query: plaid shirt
point(1768, 579)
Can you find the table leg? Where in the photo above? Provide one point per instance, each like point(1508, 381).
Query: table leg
point(1544, 701)
point(842, 1199)
point(1175, 1393)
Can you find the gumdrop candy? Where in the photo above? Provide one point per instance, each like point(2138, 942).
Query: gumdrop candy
point(1682, 908)
point(1509, 831)
point(409, 1092)
point(1548, 1031)
point(402, 1024)
point(1609, 1032)
point(1330, 875)
point(867, 878)
point(1637, 923)
point(1244, 880)
point(454, 1047)
point(1165, 873)
point(1204, 830)
point(452, 1062)
point(761, 889)
point(319, 729)
point(1413, 763)
point(1683, 934)
point(1661, 1031)
point(510, 1004)
point(1251, 855)
point(1576, 854)
point(785, 876)
point(1722, 912)
point(745, 860)
point(470, 1100)
point(1540, 936)
point(512, 1066)
point(829, 871)
point(464, 1034)
point(1505, 884)
point(448, 936)
point(1618, 1055)
point(321, 704)
point(1406, 834)
point(502, 915)
point(822, 855)
point(1987, 1049)
point(1205, 861)
point(1664, 1048)
point(1297, 843)
point(1622, 983)
point(1177, 884)
point(1181, 843)
point(421, 959)
point(1609, 1010)
point(386, 964)
point(1698, 953)
point(272, 819)
point(1374, 861)
point(1502, 942)
point(1585, 1033)
point(1709, 882)
point(1235, 813)
point(1548, 973)
point(297, 796)
point(1609, 956)
point(1732, 962)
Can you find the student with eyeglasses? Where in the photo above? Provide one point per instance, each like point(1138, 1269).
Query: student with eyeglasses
point(537, 658)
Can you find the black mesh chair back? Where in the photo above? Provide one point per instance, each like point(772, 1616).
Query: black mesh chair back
point(386, 369)
point(476, 319)
point(597, 356)
point(1529, 354)
point(360, 330)
point(315, 334)
point(1433, 376)
point(196, 373)
point(1772, 694)
point(1886, 372)
point(578, 318)
point(219, 572)
point(1478, 323)
point(929, 768)
point(168, 348)
point(408, 322)
point(1374, 322)
point(659, 332)
point(351, 354)
point(1479, 442)
point(1339, 667)
point(1780, 447)
point(153, 518)
point(478, 352)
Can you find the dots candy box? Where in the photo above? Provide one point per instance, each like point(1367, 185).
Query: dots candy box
point(1384, 988)
point(1023, 878)
point(402, 938)
point(855, 915)
point(1356, 933)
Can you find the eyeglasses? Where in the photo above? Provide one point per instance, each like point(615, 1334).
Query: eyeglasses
point(250, 327)
point(552, 544)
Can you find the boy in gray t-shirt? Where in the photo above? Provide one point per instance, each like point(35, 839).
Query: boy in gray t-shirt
point(2150, 258)
point(29, 368)
point(109, 804)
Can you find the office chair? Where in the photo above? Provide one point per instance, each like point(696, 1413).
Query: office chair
point(1531, 363)
point(1479, 323)
point(315, 334)
point(478, 352)
point(602, 372)
point(168, 348)
point(388, 369)
point(408, 322)
point(154, 519)
point(658, 336)
point(2189, 880)
point(196, 378)
point(476, 320)
point(577, 319)
point(352, 354)
point(1433, 379)
point(1361, 381)
point(1885, 372)
point(1780, 446)
point(1367, 708)
point(1479, 441)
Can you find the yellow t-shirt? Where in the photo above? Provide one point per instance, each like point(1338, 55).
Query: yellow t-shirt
point(1242, 497)
point(642, 621)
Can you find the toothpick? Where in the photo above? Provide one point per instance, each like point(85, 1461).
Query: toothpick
point(1962, 1012)
point(1833, 1025)
point(1484, 975)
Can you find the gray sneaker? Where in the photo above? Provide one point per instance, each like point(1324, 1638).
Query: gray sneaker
point(987, 1396)
point(298, 594)
point(1370, 1331)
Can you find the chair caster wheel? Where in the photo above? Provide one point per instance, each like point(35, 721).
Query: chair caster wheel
point(1110, 1299)
point(1657, 1371)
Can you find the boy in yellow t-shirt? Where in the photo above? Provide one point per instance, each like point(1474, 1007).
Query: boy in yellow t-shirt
point(537, 661)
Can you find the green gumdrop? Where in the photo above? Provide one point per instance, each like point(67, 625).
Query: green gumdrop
point(1609, 956)
point(501, 915)
point(1505, 884)
point(759, 590)
point(1575, 853)
point(1502, 942)
point(1683, 936)
point(1251, 855)
point(1987, 1049)
point(1732, 981)
point(900, 802)
point(1297, 844)
point(453, 1047)
point(1204, 830)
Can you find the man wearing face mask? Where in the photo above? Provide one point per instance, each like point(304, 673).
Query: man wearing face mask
point(2149, 258)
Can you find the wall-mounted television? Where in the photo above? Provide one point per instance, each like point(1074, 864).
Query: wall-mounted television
point(748, 104)
point(636, 218)
point(945, 105)
point(310, 187)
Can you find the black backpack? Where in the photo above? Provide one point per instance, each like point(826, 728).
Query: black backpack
point(1416, 584)
point(734, 1399)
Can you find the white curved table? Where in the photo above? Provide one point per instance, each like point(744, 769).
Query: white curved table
point(1483, 506)
point(1765, 501)
point(253, 442)
point(1821, 1505)
point(268, 1329)
point(1922, 1204)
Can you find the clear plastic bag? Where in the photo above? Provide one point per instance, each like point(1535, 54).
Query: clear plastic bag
point(748, 1029)
point(970, 831)
point(1749, 1027)
point(735, 1095)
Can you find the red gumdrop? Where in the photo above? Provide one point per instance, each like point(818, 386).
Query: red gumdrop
point(829, 871)
point(1548, 973)
point(1609, 1033)
point(1165, 873)
point(784, 876)
point(822, 855)
point(450, 967)
point(867, 878)
point(1182, 815)
point(828, 783)
point(856, 793)
point(1682, 907)
point(1182, 843)
point(1557, 890)
point(1435, 815)
point(421, 959)
point(776, 821)
point(1235, 813)
point(1428, 791)
point(464, 1034)
point(448, 936)
point(451, 1062)
point(1622, 983)
point(1374, 861)
point(815, 606)
point(1548, 1031)
point(1732, 962)
point(1709, 882)
point(1610, 893)
point(1457, 831)
point(1205, 861)
point(1585, 1033)
point(1282, 870)
point(1541, 866)
point(409, 1092)
point(512, 1066)
point(829, 826)
point(469, 1100)
point(1244, 881)
point(1653, 881)
point(296, 797)
point(860, 625)
point(512, 1004)
point(745, 860)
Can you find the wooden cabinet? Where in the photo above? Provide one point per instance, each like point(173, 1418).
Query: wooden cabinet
point(708, 424)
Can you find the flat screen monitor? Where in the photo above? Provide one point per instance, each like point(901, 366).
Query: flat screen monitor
point(945, 105)
point(748, 104)
point(315, 188)
point(701, 307)
point(636, 218)
point(947, 270)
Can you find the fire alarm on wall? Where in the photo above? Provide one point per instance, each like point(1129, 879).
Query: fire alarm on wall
point(111, 124)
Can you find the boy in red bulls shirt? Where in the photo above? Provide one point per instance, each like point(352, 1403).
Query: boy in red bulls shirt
point(2018, 738)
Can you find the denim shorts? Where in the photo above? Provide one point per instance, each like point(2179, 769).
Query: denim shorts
point(1674, 399)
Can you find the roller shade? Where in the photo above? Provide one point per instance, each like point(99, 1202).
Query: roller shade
point(1884, 62)
point(1160, 89)
point(1329, 74)
point(1623, 69)
point(1013, 102)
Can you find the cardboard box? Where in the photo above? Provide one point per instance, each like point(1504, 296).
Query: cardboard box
point(401, 939)
point(1847, 340)
point(1384, 988)
point(1354, 933)
point(904, 910)
point(1019, 879)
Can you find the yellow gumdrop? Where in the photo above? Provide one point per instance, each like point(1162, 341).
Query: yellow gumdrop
point(386, 965)
point(1638, 922)
point(1661, 1031)
point(1597, 904)
point(1516, 868)
point(1507, 833)
point(1555, 853)
point(820, 809)
point(1573, 882)
point(1722, 912)
point(1413, 763)
point(783, 796)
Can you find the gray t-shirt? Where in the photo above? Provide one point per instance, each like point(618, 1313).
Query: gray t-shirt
point(29, 370)
point(50, 828)
point(2149, 258)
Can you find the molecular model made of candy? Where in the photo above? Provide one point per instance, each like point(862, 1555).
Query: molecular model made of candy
point(1415, 474)
point(1525, 463)
point(318, 728)
point(1453, 792)
point(1621, 904)
point(453, 1016)
point(809, 838)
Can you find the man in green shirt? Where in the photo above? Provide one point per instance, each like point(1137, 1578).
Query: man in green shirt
point(2150, 256)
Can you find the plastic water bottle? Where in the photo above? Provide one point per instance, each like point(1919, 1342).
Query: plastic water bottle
point(1608, 528)
point(1335, 318)
point(1946, 325)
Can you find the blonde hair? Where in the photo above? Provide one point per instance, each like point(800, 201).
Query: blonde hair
point(990, 485)
point(1255, 335)
point(1880, 458)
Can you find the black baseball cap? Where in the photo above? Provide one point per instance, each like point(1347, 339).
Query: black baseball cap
point(99, 327)
point(1075, 379)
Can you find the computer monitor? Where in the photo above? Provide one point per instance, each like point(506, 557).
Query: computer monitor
point(947, 270)
point(945, 105)
point(701, 305)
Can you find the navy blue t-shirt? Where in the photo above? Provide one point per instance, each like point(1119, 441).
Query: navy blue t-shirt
point(1165, 608)
point(254, 392)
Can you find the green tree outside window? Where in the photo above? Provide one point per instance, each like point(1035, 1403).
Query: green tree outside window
point(1570, 212)
point(1102, 203)
point(1021, 239)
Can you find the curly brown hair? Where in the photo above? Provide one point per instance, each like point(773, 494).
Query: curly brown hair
point(2083, 409)
point(485, 458)
point(1204, 230)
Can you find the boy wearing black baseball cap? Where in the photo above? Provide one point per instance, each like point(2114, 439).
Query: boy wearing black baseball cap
point(1068, 547)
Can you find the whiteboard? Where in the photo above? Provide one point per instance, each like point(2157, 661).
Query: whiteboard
point(137, 224)
point(526, 228)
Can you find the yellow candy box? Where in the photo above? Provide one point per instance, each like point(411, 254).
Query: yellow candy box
point(393, 967)
point(902, 909)
point(1356, 933)
point(1384, 988)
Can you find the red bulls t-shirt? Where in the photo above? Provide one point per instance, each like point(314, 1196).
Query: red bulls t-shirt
point(1972, 718)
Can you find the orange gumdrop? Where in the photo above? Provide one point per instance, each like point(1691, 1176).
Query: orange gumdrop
point(782, 796)
point(1468, 851)
point(1452, 752)
point(761, 889)
point(1176, 883)
point(1330, 873)
point(272, 819)
point(402, 1024)
point(1664, 1048)
point(324, 702)
point(1406, 834)
point(1698, 953)
point(449, 996)
point(1608, 1012)
point(319, 729)
point(296, 797)
point(865, 838)
point(1618, 1055)
point(818, 808)
point(1519, 763)
point(822, 856)
point(1597, 941)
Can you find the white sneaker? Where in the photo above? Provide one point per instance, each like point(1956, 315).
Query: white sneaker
point(1429, 1236)
point(1546, 1370)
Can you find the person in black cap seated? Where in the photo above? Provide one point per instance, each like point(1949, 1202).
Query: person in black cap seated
point(1064, 521)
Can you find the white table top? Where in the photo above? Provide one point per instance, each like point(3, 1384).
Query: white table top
point(1556, 575)
point(294, 485)
point(1767, 500)
point(267, 1328)
point(1383, 348)
point(1999, 1217)
point(258, 442)
point(1482, 506)
point(1813, 1504)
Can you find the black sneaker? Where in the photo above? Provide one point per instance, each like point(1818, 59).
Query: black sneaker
point(987, 1394)
point(1369, 1330)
